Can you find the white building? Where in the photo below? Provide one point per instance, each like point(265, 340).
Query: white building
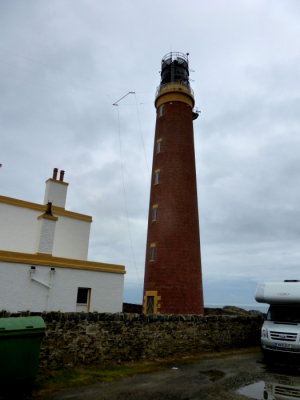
point(43, 258)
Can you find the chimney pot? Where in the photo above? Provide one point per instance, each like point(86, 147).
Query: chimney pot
point(55, 171)
point(61, 176)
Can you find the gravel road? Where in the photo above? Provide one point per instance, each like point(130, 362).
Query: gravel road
point(213, 378)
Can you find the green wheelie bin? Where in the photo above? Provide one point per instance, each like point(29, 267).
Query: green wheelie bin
point(20, 340)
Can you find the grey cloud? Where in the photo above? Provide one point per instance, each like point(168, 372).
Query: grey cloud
point(63, 66)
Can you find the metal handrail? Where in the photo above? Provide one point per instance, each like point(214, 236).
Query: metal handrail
point(175, 55)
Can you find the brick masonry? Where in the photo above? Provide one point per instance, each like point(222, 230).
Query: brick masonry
point(79, 339)
point(175, 273)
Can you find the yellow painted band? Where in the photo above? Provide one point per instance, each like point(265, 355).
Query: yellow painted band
point(152, 293)
point(43, 207)
point(170, 97)
point(47, 216)
point(174, 92)
point(49, 260)
point(70, 214)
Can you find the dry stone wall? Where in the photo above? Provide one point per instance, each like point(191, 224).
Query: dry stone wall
point(74, 339)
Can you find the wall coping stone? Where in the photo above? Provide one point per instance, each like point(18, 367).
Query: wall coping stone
point(149, 318)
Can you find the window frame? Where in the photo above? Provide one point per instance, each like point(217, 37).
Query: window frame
point(154, 212)
point(156, 176)
point(158, 146)
point(87, 296)
point(160, 111)
point(152, 252)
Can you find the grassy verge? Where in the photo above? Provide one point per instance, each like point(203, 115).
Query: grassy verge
point(72, 377)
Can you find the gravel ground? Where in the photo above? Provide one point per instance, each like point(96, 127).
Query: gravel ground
point(208, 379)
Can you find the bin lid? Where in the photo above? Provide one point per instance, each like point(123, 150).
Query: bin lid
point(15, 324)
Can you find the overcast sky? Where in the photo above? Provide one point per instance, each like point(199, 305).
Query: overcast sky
point(63, 63)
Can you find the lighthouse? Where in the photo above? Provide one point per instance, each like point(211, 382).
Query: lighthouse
point(173, 278)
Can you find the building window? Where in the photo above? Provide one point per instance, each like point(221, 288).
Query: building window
point(158, 146)
point(152, 252)
point(161, 111)
point(154, 212)
point(150, 305)
point(156, 176)
point(83, 296)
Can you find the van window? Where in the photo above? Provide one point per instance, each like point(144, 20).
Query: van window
point(279, 313)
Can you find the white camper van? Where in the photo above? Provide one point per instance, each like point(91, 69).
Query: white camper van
point(281, 329)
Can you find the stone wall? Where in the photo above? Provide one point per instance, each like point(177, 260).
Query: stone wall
point(85, 339)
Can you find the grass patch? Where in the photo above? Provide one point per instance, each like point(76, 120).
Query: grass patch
point(73, 377)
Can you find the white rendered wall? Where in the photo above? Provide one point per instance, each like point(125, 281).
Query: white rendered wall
point(71, 238)
point(18, 228)
point(19, 293)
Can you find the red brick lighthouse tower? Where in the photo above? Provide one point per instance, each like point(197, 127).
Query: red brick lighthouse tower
point(173, 281)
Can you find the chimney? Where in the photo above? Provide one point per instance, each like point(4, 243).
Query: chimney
point(61, 176)
point(46, 231)
point(55, 171)
point(56, 190)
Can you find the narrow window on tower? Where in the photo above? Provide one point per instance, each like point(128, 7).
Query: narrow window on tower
point(154, 212)
point(161, 111)
point(152, 251)
point(158, 146)
point(156, 176)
